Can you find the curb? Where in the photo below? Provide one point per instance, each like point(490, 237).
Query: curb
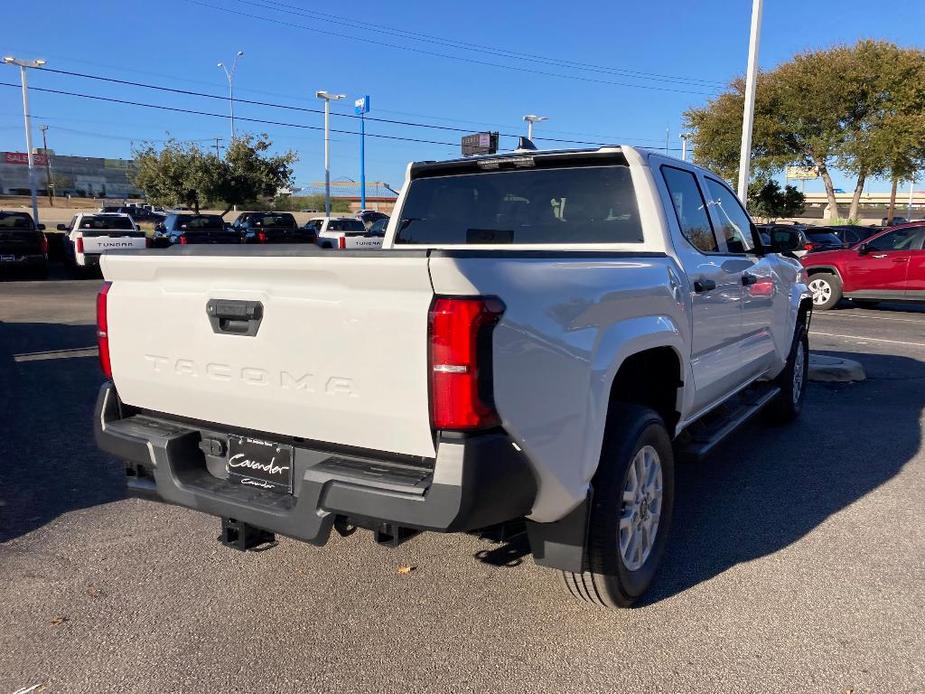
point(834, 369)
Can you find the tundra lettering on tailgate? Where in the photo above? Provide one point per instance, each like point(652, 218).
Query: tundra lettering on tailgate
point(252, 376)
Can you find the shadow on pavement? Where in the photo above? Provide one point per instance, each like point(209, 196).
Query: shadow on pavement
point(50, 463)
point(769, 486)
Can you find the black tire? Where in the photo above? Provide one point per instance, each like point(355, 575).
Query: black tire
point(826, 288)
point(787, 406)
point(610, 581)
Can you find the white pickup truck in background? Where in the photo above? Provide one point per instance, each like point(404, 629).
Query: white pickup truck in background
point(540, 336)
point(90, 235)
point(344, 233)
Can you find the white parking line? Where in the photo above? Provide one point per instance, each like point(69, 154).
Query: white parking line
point(823, 314)
point(860, 339)
point(56, 354)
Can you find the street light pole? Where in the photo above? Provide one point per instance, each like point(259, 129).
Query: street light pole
point(530, 119)
point(748, 114)
point(230, 75)
point(328, 98)
point(684, 137)
point(27, 120)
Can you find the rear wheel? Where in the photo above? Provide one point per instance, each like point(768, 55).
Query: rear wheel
point(826, 289)
point(631, 509)
point(792, 380)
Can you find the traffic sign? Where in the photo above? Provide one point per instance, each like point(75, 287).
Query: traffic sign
point(361, 105)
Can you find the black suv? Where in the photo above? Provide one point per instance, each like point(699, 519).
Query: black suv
point(271, 227)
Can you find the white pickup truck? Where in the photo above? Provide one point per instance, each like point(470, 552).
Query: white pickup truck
point(540, 336)
point(344, 233)
point(88, 236)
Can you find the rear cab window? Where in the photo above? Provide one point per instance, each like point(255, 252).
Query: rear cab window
point(203, 221)
point(347, 225)
point(92, 223)
point(557, 205)
point(15, 220)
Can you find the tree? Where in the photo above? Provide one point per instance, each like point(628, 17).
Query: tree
point(768, 201)
point(823, 109)
point(177, 174)
point(184, 174)
point(248, 172)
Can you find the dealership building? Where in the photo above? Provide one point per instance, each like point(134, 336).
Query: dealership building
point(75, 176)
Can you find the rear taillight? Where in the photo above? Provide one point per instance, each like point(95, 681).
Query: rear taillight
point(342, 242)
point(183, 240)
point(261, 237)
point(44, 244)
point(80, 245)
point(102, 329)
point(460, 362)
point(147, 242)
point(808, 246)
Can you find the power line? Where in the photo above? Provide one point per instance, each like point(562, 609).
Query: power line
point(316, 15)
point(176, 109)
point(286, 107)
point(473, 61)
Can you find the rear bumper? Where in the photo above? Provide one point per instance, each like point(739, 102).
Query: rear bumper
point(475, 481)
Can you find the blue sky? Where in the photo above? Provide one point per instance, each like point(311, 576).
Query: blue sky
point(650, 61)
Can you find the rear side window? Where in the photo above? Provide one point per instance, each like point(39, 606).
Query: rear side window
point(900, 240)
point(594, 204)
point(690, 208)
point(106, 223)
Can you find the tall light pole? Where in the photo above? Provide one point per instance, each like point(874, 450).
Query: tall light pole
point(230, 75)
point(27, 119)
point(748, 114)
point(530, 119)
point(684, 138)
point(328, 98)
point(361, 108)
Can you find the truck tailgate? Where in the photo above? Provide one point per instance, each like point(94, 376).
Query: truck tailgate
point(339, 355)
point(114, 240)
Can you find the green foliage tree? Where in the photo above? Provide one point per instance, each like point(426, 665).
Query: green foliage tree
point(184, 174)
point(838, 107)
point(248, 172)
point(767, 200)
point(177, 174)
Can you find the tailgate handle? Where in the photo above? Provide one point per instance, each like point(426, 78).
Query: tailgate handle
point(234, 317)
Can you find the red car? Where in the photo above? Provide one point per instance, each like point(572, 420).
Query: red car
point(887, 266)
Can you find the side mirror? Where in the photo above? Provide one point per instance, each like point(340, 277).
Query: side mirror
point(62, 227)
point(40, 227)
point(863, 249)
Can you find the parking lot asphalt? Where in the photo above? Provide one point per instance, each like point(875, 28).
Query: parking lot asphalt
point(796, 561)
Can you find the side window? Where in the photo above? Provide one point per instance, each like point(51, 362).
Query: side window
point(690, 209)
point(734, 223)
point(902, 240)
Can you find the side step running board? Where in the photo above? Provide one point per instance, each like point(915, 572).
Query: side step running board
point(706, 437)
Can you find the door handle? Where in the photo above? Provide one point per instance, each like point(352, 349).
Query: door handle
point(878, 256)
point(748, 280)
point(234, 317)
point(701, 286)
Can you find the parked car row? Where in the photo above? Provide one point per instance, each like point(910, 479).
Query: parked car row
point(267, 227)
point(800, 239)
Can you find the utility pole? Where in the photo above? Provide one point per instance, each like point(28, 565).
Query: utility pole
point(530, 120)
point(27, 119)
point(328, 98)
point(911, 187)
point(667, 139)
point(49, 186)
point(748, 114)
point(218, 148)
point(230, 75)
